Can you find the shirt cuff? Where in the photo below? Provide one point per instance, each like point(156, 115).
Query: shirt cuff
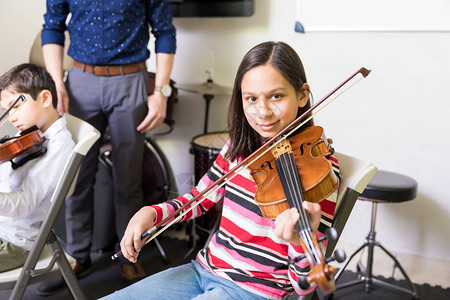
point(52, 37)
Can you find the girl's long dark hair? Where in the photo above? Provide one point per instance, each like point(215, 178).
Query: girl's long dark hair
point(245, 140)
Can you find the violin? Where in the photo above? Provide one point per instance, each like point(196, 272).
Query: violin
point(296, 170)
point(11, 147)
point(321, 272)
point(310, 149)
point(15, 146)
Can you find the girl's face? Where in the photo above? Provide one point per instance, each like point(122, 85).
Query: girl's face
point(270, 102)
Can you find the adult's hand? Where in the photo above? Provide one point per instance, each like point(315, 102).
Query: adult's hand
point(157, 105)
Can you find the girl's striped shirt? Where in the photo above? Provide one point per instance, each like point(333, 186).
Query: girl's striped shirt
point(246, 249)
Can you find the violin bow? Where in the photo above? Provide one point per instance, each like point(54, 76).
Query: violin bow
point(3, 118)
point(152, 233)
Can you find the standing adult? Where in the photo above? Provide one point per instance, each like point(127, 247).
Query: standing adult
point(108, 87)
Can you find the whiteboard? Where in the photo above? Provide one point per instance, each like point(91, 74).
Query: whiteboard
point(372, 15)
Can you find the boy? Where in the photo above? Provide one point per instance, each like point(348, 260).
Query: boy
point(26, 187)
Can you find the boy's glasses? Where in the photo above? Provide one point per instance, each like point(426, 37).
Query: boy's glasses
point(14, 106)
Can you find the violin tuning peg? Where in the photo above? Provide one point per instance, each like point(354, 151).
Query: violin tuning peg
point(331, 234)
point(322, 238)
point(298, 258)
point(340, 255)
point(303, 283)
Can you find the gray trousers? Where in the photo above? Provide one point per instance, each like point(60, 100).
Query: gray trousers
point(118, 103)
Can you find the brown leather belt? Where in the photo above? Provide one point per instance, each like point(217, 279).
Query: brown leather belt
point(110, 70)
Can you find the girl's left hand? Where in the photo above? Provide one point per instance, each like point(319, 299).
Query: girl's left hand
point(285, 222)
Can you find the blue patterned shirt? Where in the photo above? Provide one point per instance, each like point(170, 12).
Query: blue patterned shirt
point(110, 32)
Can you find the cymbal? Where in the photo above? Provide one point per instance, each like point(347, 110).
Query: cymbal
point(205, 88)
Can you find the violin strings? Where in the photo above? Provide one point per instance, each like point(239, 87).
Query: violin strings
point(294, 191)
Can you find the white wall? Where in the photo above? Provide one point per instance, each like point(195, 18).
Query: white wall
point(397, 117)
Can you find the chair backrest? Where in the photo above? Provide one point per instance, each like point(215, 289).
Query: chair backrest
point(355, 176)
point(84, 136)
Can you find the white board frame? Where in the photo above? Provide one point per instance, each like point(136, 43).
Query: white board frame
point(373, 15)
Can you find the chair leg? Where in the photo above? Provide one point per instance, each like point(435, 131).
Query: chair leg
point(66, 270)
point(213, 230)
point(161, 250)
point(193, 237)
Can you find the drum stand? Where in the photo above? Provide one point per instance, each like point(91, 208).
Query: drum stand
point(208, 99)
point(194, 234)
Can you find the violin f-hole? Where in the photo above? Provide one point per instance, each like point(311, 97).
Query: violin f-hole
point(302, 148)
point(268, 164)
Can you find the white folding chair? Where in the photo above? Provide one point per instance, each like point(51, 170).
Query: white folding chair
point(40, 264)
point(355, 175)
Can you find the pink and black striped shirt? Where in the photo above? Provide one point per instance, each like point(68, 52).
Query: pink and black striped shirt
point(246, 249)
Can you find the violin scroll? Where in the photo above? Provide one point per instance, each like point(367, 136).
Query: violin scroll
point(322, 274)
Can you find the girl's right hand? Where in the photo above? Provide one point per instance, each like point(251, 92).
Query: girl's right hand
point(131, 242)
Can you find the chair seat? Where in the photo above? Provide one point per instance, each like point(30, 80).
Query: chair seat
point(388, 186)
point(44, 260)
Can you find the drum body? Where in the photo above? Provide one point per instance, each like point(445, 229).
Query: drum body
point(166, 126)
point(206, 148)
point(157, 177)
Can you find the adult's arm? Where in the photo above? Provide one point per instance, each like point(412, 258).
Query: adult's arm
point(157, 102)
point(53, 58)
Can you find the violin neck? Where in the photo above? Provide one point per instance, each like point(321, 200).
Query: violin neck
point(290, 180)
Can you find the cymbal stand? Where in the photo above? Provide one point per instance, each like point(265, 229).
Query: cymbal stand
point(208, 99)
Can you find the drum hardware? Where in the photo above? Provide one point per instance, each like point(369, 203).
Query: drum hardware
point(208, 89)
point(206, 148)
point(157, 178)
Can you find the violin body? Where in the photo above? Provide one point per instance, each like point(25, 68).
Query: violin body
point(297, 170)
point(310, 149)
point(11, 149)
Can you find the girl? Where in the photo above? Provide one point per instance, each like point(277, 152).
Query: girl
point(247, 257)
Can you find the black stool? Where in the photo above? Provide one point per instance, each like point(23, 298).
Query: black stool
point(385, 187)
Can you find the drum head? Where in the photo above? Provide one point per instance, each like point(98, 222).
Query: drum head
point(213, 140)
point(165, 127)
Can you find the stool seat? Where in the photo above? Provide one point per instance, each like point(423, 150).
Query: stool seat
point(388, 186)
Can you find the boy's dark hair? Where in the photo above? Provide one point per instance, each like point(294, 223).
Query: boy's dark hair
point(29, 79)
point(243, 139)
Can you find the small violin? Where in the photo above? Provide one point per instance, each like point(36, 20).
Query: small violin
point(15, 146)
point(11, 147)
